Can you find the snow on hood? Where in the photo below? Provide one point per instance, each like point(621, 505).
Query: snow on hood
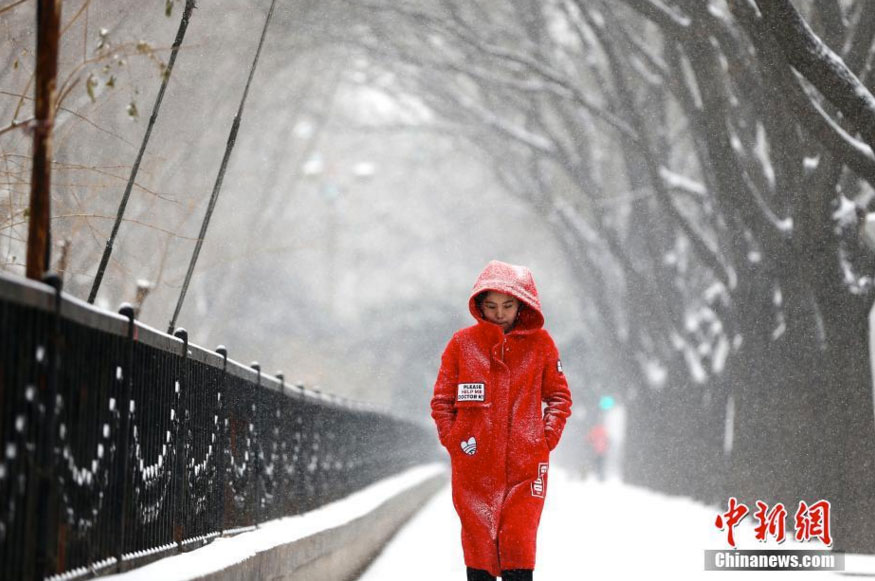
point(513, 280)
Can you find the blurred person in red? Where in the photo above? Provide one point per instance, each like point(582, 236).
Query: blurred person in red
point(597, 437)
point(487, 406)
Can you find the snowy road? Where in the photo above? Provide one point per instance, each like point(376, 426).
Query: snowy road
point(593, 530)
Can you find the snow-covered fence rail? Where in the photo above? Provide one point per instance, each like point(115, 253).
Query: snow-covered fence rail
point(119, 443)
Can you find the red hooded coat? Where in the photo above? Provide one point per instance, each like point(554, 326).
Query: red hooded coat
point(487, 407)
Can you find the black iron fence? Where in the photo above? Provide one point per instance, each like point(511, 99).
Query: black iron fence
point(119, 443)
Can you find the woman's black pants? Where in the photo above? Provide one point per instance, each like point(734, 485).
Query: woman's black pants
point(509, 575)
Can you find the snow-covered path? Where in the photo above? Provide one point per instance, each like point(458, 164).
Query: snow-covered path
point(593, 530)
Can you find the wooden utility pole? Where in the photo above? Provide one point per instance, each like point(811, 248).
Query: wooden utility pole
point(48, 18)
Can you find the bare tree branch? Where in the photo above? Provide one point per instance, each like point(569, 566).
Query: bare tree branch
point(820, 65)
point(859, 46)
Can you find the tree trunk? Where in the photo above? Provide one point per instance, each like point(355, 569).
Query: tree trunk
point(48, 17)
point(847, 426)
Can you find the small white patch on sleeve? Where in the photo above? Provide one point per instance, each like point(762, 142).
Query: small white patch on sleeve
point(559, 366)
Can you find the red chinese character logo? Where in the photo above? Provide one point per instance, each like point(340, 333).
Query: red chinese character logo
point(732, 517)
point(771, 521)
point(813, 521)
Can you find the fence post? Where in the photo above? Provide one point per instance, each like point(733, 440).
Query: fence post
point(179, 477)
point(223, 442)
point(281, 488)
point(46, 547)
point(126, 310)
point(256, 421)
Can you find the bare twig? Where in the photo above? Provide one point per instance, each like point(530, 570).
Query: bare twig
point(11, 5)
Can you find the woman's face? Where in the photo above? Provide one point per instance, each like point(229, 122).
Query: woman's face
point(500, 309)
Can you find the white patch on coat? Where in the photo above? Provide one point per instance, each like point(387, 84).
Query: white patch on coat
point(469, 446)
point(471, 392)
point(539, 484)
point(559, 366)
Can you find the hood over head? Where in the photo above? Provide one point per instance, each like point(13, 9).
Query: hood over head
point(513, 280)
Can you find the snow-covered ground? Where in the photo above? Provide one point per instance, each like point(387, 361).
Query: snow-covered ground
point(594, 530)
point(225, 552)
point(589, 530)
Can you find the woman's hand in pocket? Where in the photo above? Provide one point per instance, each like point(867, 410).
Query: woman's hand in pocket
point(448, 435)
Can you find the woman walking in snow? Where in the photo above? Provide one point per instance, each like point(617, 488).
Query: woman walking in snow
point(487, 408)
